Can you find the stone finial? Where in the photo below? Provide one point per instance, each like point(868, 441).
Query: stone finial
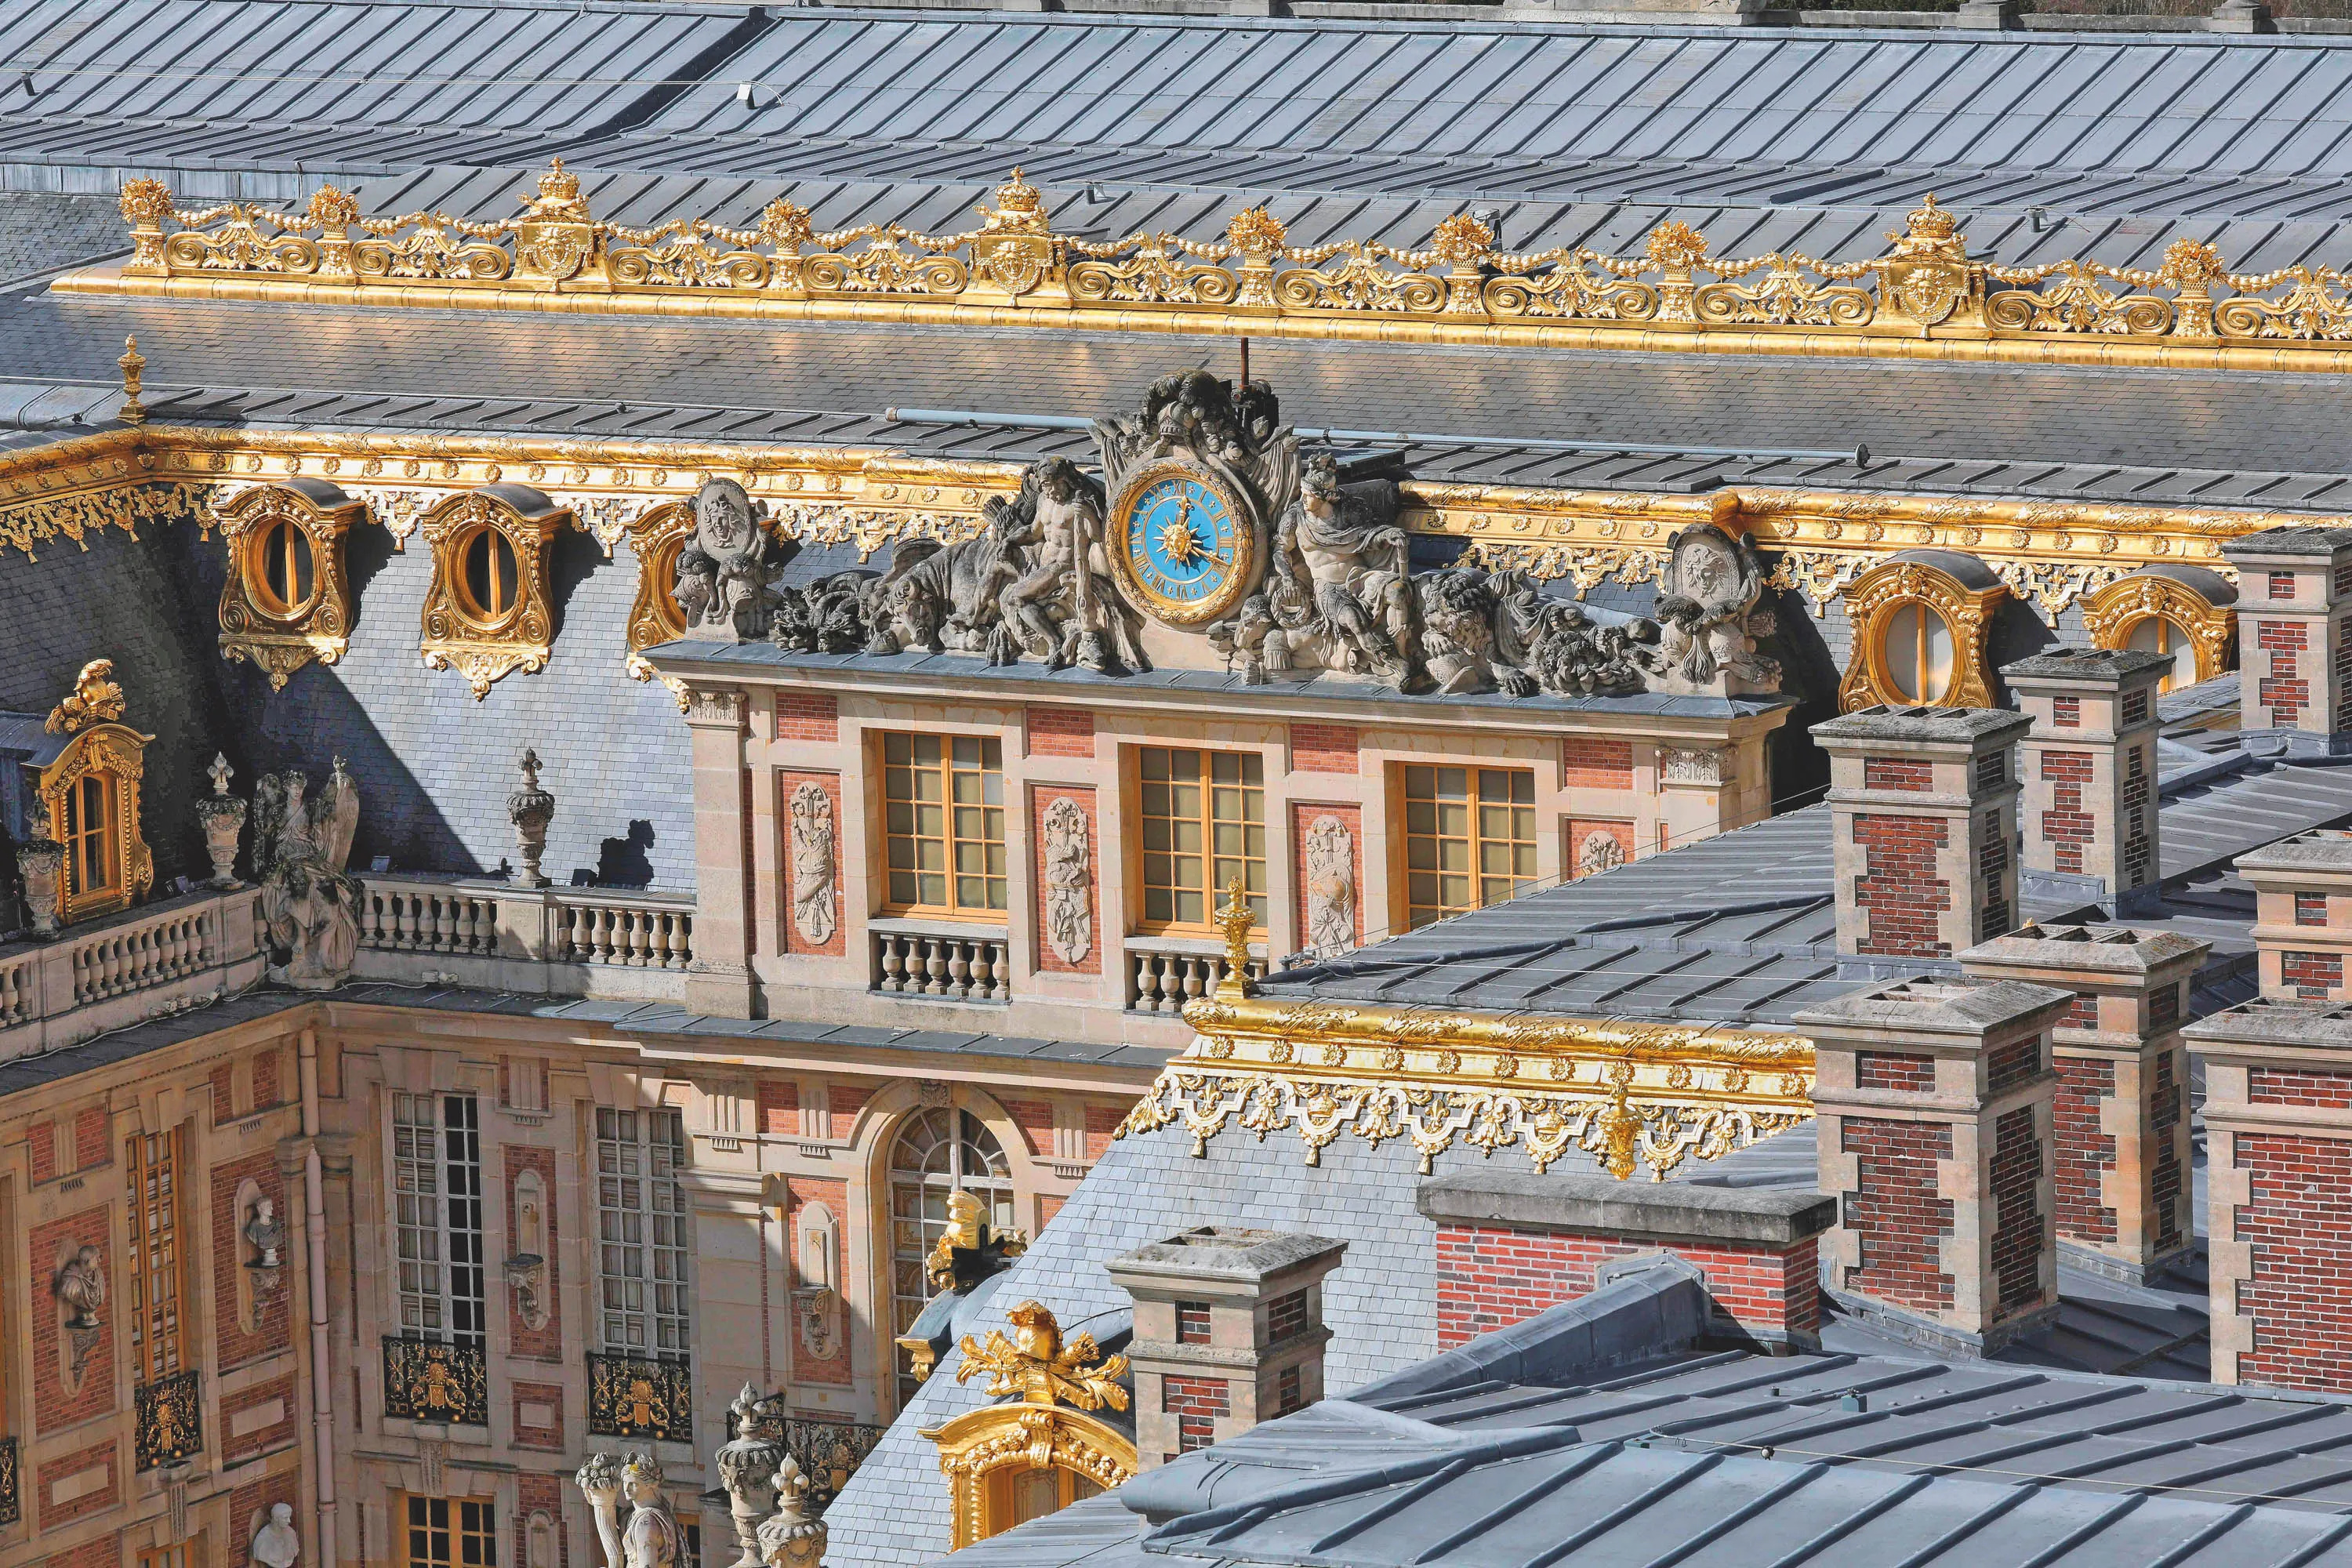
point(530, 809)
point(41, 862)
point(222, 817)
point(747, 1467)
point(1236, 919)
point(132, 362)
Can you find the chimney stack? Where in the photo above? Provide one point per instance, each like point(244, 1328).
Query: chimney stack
point(1229, 1333)
point(2302, 914)
point(1925, 803)
point(2089, 764)
point(2121, 1157)
point(2295, 656)
point(1933, 1100)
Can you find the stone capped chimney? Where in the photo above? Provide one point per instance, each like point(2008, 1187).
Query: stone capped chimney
point(1229, 1333)
point(1925, 803)
point(2278, 1175)
point(1933, 1100)
point(2121, 1153)
point(2302, 914)
point(2295, 651)
point(2088, 825)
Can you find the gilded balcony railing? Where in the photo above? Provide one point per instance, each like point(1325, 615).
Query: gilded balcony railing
point(828, 1453)
point(1923, 286)
point(426, 1380)
point(170, 1419)
point(12, 1500)
point(634, 1397)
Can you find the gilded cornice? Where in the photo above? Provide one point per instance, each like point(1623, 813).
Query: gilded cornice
point(1629, 1094)
point(1922, 296)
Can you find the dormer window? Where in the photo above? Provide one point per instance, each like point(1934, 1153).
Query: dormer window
point(87, 782)
point(90, 830)
point(285, 600)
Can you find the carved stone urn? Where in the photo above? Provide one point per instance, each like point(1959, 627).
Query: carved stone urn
point(41, 862)
point(747, 1468)
point(530, 809)
point(222, 817)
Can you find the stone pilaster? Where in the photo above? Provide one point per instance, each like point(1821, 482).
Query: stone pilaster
point(718, 979)
point(2088, 819)
point(1935, 1104)
point(2303, 915)
point(2295, 651)
point(1229, 1331)
point(2278, 1173)
point(1925, 807)
point(2120, 1154)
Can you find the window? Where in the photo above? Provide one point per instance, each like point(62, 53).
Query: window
point(1469, 838)
point(280, 573)
point(944, 796)
point(1021, 1494)
point(437, 1159)
point(2163, 634)
point(489, 583)
point(1203, 824)
point(92, 838)
point(641, 1232)
point(452, 1533)
point(939, 1151)
point(1918, 649)
point(154, 1301)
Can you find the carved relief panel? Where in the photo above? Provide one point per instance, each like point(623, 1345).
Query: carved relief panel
point(490, 610)
point(286, 598)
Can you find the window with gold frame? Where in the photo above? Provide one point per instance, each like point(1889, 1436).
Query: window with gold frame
point(90, 793)
point(2186, 613)
point(943, 826)
point(286, 597)
point(179, 1555)
point(449, 1532)
point(490, 610)
point(1920, 623)
point(1469, 838)
point(156, 1273)
point(1203, 824)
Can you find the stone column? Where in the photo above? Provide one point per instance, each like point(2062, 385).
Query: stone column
point(1925, 807)
point(718, 979)
point(1933, 1100)
point(2089, 817)
point(2302, 914)
point(2278, 1173)
point(1228, 1333)
point(2120, 1154)
point(2294, 596)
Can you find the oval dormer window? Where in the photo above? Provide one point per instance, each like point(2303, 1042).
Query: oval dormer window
point(2163, 634)
point(1915, 650)
point(489, 579)
point(281, 569)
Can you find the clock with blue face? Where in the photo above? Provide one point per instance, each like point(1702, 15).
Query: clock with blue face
point(1186, 550)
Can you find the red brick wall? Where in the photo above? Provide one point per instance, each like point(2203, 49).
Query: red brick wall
point(2066, 825)
point(1899, 885)
point(835, 1196)
point(547, 1343)
point(1102, 1121)
point(544, 1494)
point(1596, 763)
point(789, 785)
point(249, 1504)
point(264, 1079)
point(2021, 1230)
point(1048, 1206)
point(41, 1146)
point(780, 1107)
point(1893, 1070)
point(224, 1083)
point(540, 1432)
point(1490, 1278)
point(2312, 975)
point(2282, 690)
point(2295, 1229)
point(1895, 1212)
point(807, 716)
point(1048, 960)
point(1324, 748)
point(1036, 1120)
point(94, 1501)
point(2013, 1064)
point(106, 1552)
point(2163, 1113)
point(1196, 1403)
point(1896, 772)
point(2083, 1154)
point(92, 1146)
point(54, 1409)
point(2139, 860)
point(1302, 817)
point(2290, 1086)
point(257, 1440)
point(843, 1102)
point(1061, 732)
point(271, 1331)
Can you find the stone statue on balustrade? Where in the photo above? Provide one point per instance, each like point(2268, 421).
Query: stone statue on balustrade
point(723, 569)
point(308, 902)
point(651, 1537)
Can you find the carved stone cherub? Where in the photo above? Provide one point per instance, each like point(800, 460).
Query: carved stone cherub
point(723, 571)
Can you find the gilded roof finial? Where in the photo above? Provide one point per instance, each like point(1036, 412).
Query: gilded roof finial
point(95, 699)
point(1236, 920)
point(1019, 208)
point(132, 362)
point(1038, 1367)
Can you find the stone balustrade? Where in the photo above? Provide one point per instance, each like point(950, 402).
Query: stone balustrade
point(949, 962)
point(1165, 972)
point(566, 942)
point(110, 974)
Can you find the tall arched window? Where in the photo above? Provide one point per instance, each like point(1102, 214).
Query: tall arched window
point(937, 1152)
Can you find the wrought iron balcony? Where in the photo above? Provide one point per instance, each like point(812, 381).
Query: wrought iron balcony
point(828, 1453)
point(424, 1380)
point(630, 1397)
point(170, 1419)
point(12, 1505)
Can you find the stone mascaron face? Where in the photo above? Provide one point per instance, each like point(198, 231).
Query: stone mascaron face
point(1181, 544)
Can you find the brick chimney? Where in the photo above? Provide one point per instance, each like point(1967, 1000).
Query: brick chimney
point(1933, 1100)
point(1228, 1333)
point(2302, 914)
point(2121, 1157)
point(1511, 1244)
point(2295, 655)
point(2089, 817)
point(1925, 804)
point(2278, 1173)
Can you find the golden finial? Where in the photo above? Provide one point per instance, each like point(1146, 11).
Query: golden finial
point(1236, 920)
point(132, 362)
